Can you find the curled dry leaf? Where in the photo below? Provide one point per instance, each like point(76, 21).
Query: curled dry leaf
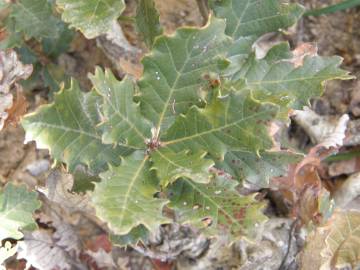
point(11, 70)
point(325, 131)
point(303, 180)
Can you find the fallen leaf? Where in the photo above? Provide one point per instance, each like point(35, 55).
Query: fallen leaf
point(342, 250)
point(11, 70)
point(17, 109)
point(6, 102)
point(310, 257)
point(325, 131)
point(41, 251)
point(58, 189)
point(344, 167)
point(348, 191)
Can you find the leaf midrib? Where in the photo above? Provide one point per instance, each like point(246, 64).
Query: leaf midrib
point(178, 75)
point(211, 130)
point(130, 188)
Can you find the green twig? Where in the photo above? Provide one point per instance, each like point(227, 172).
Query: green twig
point(333, 8)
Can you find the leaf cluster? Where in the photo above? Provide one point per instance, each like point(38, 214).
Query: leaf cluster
point(180, 142)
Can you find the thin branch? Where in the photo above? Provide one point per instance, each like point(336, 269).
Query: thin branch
point(291, 232)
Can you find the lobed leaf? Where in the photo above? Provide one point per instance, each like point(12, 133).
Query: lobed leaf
point(123, 121)
point(147, 21)
point(248, 20)
point(255, 171)
point(16, 208)
point(255, 18)
point(216, 206)
point(68, 128)
point(91, 17)
point(234, 122)
point(277, 79)
point(35, 19)
point(125, 197)
point(173, 72)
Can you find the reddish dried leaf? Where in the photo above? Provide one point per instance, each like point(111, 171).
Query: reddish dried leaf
point(101, 241)
point(18, 108)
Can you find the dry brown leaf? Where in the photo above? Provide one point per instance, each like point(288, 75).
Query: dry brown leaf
point(58, 190)
point(344, 167)
point(41, 251)
point(325, 131)
point(18, 108)
point(117, 48)
point(348, 191)
point(11, 70)
point(310, 258)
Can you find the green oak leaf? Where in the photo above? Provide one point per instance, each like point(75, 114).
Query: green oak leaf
point(68, 127)
point(16, 208)
point(248, 20)
point(35, 19)
point(147, 21)
point(172, 165)
point(174, 70)
point(91, 17)
point(233, 122)
point(255, 171)
point(255, 18)
point(123, 123)
point(275, 78)
point(125, 197)
point(216, 206)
